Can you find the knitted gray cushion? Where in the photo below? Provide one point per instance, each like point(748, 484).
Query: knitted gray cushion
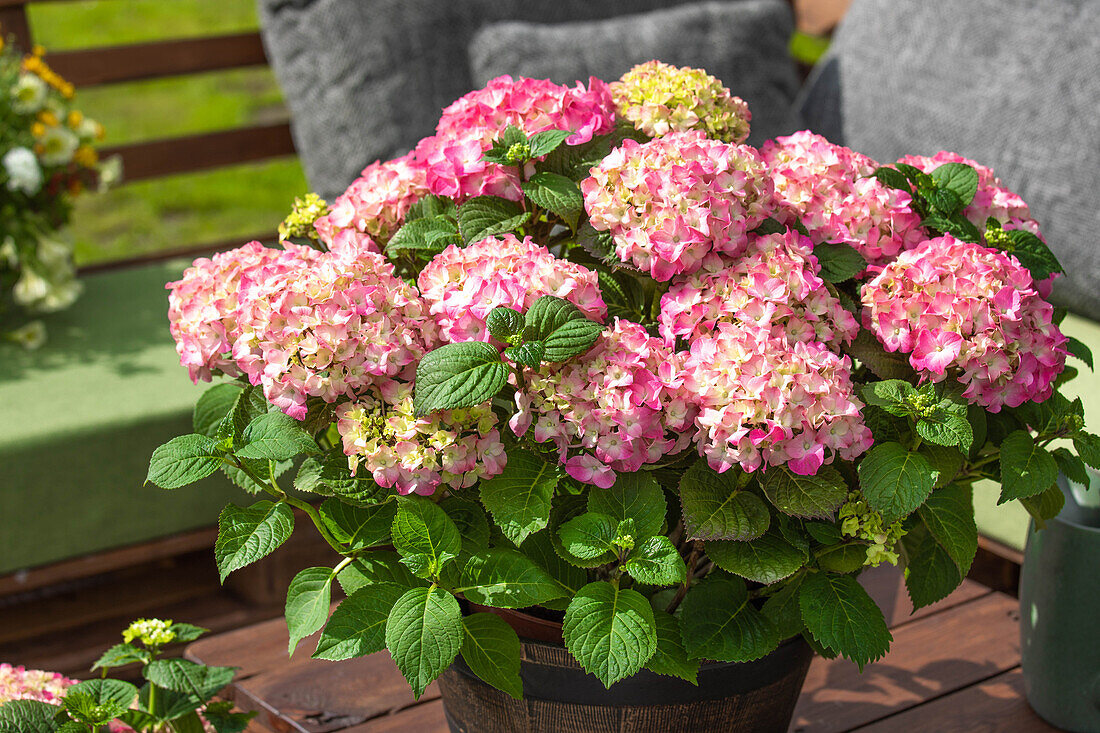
point(366, 80)
point(742, 43)
point(1012, 84)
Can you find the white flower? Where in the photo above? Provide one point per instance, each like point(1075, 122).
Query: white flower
point(28, 94)
point(89, 129)
point(24, 173)
point(9, 253)
point(30, 289)
point(59, 144)
point(37, 293)
point(110, 172)
point(30, 337)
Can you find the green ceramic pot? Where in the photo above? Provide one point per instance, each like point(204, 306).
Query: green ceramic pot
point(1059, 606)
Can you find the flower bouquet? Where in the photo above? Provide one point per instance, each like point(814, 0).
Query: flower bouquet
point(584, 352)
point(47, 158)
point(176, 697)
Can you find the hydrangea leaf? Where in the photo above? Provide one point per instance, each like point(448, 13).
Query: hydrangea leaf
point(817, 496)
point(947, 426)
point(1087, 446)
point(183, 460)
point(120, 655)
point(561, 326)
point(589, 536)
point(188, 678)
point(487, 216)
point(1026, 468)
point(277, 437)
point(949, 516)
point(783, 609)
point(246, 534)
point(1071, 466)
point(719, 622)
point(504, 323)
point(471, 521)
point(892, 395)
point(671, 658)
point(656, 561)
point(507, 579)
point(491, 648)
point(424, 634)
point(420, 526)
point(457, 376)
point(838, 261)
point(958, 178)
point(358, 527)
point(374, 567)
point(610, 631)
point(100, 701)
point(895, 480)
point(716, 508)
point(213, 405)
point(28, 716)
point(358, 625)
point(841, 617)
point(930, 572)
point(635, 496)
point(307, 602)
point(766, 560)
point(519, 497)
point(556, 194)
point(1045, 505)
point(547, 141)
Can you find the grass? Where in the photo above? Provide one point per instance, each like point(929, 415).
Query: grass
point(180, 210)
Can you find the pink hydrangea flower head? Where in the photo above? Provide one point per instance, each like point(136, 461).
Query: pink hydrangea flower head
point(20, 683)
point(972, 313)
point(462, 284)
point(452, 157)
point(764, 401)
point(774, 286)
point(830, 190)
point(609, 410)
point(658, 98)
point(452, 448)
point(330, 330)
point(669, 202)
point(377, 201)
point(204, 305)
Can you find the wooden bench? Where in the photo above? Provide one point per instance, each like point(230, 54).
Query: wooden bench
point(953, 666)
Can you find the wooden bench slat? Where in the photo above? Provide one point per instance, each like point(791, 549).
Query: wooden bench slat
point(930, 657)
point(424, 718)
point(994, 705)
point(156, 158)
point(158, 59)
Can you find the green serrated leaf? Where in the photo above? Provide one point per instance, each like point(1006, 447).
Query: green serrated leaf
point(358, 527)
point(120, 655)
point(99, 701)
point(589, 536)
point(838, 261)
point(430, 205)
point(1071, 466)
point(958, 178)
point(930, 573)
point(656, 561)
point(1045, 506)
point(840, 615)
point(783, 609)
point(424, 633)
point(519, 497)
point(246, 534)
point(188, 678)
point(504, 324)
point(307, 602)
point(719, 622)
point(816, 496)
point(1087, 446)
point(882, 364)
point(422, 527)
point(471, 521)
point(358, 625)
point(611, 631)
point(893, 178)
point(556, 194)
point(504, 578)
point(944, 201)
point(374, 567)
point(671, 658)
point(487, 216)
point(491, 648)
point(1026, 468)
point(715, 508)
point(1080, 350)
point(213, 405)
point(277, 437)
point(895, 480)
point(529, 353)
point(458, 376)
point(428, 235)
point(766, 560)
point(1033, 254)
point(892, 395)
point(949, 516)
point(634, 496)
point(546, 142)
point(540, 548)
point(947, 427)
point(597, 243)
point(183, 460)
point(28, 716)
point(561, 327)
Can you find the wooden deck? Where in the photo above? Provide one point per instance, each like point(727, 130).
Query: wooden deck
point(954, 667)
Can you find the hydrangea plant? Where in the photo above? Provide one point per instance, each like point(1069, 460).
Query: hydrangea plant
point(586, 353)
point(177, 696)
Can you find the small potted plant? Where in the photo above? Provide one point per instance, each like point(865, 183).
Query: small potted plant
point(177, 696)
point(47, 159)
point(605, 410)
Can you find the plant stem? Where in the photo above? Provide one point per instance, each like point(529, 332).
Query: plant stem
point(696, 550)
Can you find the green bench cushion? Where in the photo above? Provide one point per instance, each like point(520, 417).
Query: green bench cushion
point(83, 414)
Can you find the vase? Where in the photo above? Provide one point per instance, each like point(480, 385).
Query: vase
point(1059, 597)
point(560, 697)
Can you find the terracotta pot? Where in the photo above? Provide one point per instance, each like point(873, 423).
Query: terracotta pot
point(560, 697)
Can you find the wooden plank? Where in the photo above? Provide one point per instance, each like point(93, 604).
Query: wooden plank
point(997, 565)
point(105, 562)
point(156, 158)
point(314, 696)
point(13, 21)
point(158, 59)
point(886, 585)
point(997, 704)
point(424, 718)
point(930, 657)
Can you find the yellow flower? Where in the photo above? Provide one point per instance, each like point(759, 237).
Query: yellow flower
point(67, 90)
point(38, 50)
point(48, 118)
point(86, 156)
point(75, 118)
point(38, 129)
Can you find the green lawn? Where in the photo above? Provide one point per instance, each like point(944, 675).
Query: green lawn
point(180, 210)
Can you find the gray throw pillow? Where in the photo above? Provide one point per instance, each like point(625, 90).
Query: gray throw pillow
point(1012, 84)
point(743, 43)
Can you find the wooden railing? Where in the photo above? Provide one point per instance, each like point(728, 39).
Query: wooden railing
point(157, 158)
